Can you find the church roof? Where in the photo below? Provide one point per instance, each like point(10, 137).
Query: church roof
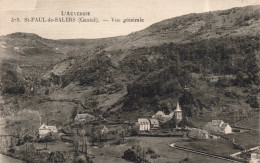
point(160, 113)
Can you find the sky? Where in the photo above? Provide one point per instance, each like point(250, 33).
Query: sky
point(151, 11)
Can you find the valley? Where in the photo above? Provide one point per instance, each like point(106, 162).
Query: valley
point(207, 62)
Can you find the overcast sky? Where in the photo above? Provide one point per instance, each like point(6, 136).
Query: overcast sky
point(151, 11)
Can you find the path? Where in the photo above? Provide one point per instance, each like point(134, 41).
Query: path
point(173, 145)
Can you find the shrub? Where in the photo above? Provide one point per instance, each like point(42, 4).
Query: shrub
point(130, 155)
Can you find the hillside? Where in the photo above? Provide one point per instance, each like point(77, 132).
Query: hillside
point(192, 27)
point(215, 55)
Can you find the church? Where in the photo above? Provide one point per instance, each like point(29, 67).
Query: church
point(153, 123)
point(162, 117)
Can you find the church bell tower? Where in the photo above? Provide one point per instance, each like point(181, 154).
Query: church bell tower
point(178, 113)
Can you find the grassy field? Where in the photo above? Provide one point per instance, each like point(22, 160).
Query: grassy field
point(160, 146)
point(220, 146)
point(223, 147)
point(248, 139)
point(252, 122)
point(55, 146)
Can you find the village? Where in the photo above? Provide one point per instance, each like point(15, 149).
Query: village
point(86, 134)
point(172, 82)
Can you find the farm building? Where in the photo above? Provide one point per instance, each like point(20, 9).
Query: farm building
point(84, 117)
point(144, 124)
point(218, 126)
point(44, 130)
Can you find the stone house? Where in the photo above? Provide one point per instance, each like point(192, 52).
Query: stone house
point(45, 130)
point(144, 124)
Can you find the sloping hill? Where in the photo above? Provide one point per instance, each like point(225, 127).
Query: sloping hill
point(187, 28)
point(214, 54)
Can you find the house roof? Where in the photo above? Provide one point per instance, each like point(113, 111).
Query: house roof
point(154, 121)
point(217, 122)
point(223, 126)
point(85, 115)
point(45, 127)
point(141, 120)
point(52, 127)
point(42, 127)
point(166, 119)
point(104, 128)
point(160, 113)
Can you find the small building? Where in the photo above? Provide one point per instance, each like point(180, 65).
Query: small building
point(85, 117)
point(104, 130)
point(154, 124)
point(218, 126)
point(44, 130)
point(144, 124)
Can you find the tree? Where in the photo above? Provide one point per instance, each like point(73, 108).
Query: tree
point(170, 124)
point(241, 79)
point(74, 113)
point(184, 122)
point(93, 136)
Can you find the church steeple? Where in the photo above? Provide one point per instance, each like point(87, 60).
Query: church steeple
point(178, 108)
point(178, 113)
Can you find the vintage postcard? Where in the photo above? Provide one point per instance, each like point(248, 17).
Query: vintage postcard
point(119, 81)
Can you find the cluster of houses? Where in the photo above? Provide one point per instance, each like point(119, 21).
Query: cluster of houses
point(211, 128)
point(146, 124)
point(218, 126)
point(153, 123)
point(45, 130)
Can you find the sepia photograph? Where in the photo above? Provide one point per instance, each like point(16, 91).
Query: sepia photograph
point(129, 81)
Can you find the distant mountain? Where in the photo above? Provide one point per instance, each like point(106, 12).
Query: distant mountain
point(207, 61)
point(187, 28)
